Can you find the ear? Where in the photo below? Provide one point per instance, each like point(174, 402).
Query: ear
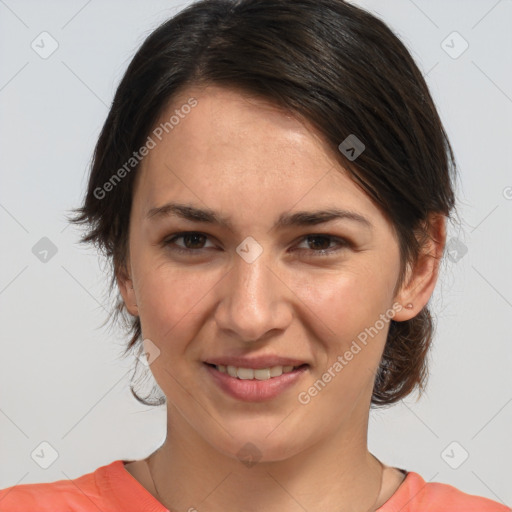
point(125, 284)
point(421, 279)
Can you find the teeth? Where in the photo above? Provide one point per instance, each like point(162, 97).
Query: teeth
point(251, 373)
point(245, 373)
point(262, 374)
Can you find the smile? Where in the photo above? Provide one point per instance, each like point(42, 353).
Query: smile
point(254, 384)
point(255, 373)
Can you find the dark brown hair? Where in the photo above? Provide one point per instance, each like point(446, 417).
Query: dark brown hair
point(325, 61)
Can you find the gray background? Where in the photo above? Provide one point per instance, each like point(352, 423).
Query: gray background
point(62, 380)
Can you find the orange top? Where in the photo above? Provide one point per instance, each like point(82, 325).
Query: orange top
point(112, 488)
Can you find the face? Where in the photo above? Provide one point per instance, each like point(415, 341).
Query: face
point(251, 284)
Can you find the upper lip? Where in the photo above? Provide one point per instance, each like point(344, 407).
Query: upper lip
point(254, 362)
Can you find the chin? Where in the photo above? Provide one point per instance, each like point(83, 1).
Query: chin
point(252, 447)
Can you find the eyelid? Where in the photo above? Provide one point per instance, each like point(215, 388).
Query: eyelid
point(172, 238)
point(342, 242)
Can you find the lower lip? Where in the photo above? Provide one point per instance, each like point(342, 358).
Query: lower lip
point(255, 390)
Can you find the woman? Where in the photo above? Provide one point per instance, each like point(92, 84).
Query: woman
point(272, 186)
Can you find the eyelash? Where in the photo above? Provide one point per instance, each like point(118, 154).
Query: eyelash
point(197, 252)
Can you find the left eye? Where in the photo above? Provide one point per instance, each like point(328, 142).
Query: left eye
point(323, 248)
point(194, 243)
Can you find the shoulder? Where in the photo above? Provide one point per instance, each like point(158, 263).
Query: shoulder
point(415, 495)
point(77, 494)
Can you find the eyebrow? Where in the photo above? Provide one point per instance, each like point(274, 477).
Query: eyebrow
point(300, 218)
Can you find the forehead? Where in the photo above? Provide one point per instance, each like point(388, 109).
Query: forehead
point(235, 152)
point(232, 127)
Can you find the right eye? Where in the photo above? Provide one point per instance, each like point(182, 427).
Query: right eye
point(191, 240)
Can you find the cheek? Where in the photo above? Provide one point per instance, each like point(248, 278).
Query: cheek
point(350, 304)
point(348, 300)
point(172, 301)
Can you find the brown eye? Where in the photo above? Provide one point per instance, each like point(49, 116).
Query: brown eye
point(319, 242)
point(320, 245)
point(193, 242)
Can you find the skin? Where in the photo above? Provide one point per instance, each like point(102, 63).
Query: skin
point(251, 162)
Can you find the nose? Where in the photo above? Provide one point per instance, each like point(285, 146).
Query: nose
point(255, 301)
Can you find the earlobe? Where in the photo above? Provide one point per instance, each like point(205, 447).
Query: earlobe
point(420, 284)
point(125, 285)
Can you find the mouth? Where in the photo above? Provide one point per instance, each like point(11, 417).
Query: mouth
point(256, 373)
point(255, 384)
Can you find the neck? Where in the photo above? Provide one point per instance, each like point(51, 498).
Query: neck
point(340, 474)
